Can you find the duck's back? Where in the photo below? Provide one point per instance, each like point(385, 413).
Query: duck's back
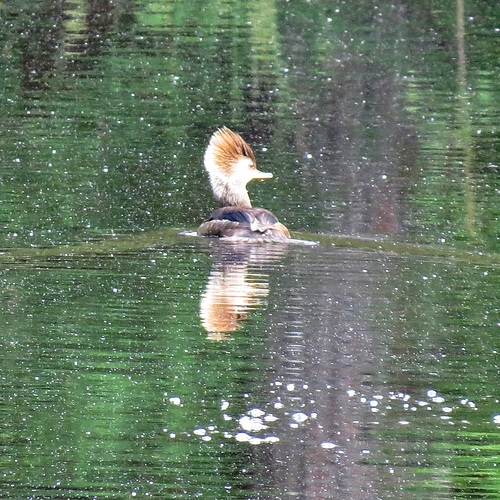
point(244, 223)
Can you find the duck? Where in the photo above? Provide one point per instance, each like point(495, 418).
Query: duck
point(231, 164)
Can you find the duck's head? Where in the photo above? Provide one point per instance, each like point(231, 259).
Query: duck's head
point(231, 164)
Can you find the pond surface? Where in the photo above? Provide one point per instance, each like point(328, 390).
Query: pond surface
point(141, 362)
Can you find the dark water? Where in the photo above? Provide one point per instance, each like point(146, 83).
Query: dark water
point(141, 363)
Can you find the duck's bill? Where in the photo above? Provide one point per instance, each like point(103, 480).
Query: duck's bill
point(262, 175)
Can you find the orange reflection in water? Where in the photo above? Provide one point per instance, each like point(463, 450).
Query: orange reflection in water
point(237, 284)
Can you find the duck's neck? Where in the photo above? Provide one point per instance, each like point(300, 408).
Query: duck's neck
point(230, 196)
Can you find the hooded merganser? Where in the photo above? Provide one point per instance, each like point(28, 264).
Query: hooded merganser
point(231, 164)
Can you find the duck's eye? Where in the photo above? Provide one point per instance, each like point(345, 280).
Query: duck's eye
point(246, 162)
point(250, 163)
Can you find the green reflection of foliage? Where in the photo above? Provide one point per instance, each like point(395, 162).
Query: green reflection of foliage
point(105, 113)
point(97, 352)
point(110, 105)
point(109, 136)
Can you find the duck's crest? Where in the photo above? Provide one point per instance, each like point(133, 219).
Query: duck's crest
point(224, 150)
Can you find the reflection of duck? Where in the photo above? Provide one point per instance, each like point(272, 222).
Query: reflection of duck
point(237, 285)
point(231, 293)
point(231, 164)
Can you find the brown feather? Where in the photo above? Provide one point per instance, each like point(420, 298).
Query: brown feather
point(228, 148)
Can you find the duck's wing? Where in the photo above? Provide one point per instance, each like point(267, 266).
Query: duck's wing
point(243, 222)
